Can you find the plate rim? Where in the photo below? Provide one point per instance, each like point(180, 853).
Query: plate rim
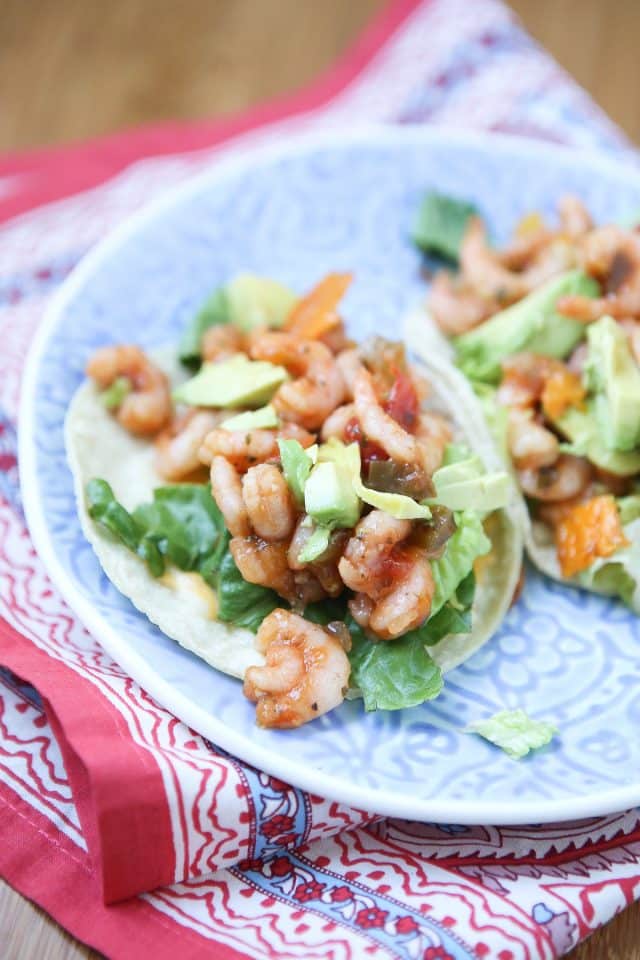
point(472, 811)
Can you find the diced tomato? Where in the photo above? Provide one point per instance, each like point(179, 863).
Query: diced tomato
point(402, 402)
point(562, 389)
point(587, 531)
point(368, 451)
point(316, 313)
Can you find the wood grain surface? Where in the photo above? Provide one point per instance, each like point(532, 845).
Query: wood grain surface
point(72, 69)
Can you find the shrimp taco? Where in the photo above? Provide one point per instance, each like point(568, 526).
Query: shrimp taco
point(547, 329)
point(316, 517)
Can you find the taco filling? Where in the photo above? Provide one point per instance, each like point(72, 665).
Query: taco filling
point(547, 329)
point(300, 510)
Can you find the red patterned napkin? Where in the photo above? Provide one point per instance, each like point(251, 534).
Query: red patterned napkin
point(108, 799)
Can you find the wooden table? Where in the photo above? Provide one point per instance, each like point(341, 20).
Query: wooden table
point(71, 69)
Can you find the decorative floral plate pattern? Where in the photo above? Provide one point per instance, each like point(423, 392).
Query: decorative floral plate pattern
point(294, 213)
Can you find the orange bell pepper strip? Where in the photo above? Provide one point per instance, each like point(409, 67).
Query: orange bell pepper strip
point(316, 313)
point(562, 389)
point(587, 531)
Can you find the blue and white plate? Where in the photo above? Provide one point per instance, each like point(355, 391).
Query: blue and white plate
point(295, 213)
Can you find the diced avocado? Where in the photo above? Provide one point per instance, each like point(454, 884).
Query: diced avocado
point(531, 324)
point(236, 382)
point(315, 545)
point(112, 397)
point(265, 418)
point(397, 505)
point(296, 466)
point(460, 469)
point(465, 485)
point(628, 508)
point(582, 429)
point(258, 302)
point(329, 496)
point(483, 494)
point(213, 312)
point(613, 376)
point(441, 223)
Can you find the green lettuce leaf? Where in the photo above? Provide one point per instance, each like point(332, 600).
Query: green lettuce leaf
point(514, 732)
point(395, 674)
point(454, 616)
point(182, 525)
point(185, 522)
point(628, 508)
point(467, 543)
point(240, 603)
point(213, 312)
point(113, 517)
point(441, 224)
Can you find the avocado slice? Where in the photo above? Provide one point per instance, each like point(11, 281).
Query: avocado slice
point(329, 496)
point(531, 324)
point(237, 382)
point(265, 418)
point(465, 485)
point(612, 374)
point(258, 302)
point(582, 429)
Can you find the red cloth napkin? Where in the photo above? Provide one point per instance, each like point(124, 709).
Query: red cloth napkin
point(107, 798)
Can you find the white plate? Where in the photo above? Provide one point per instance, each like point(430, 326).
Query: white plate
point(294, 213)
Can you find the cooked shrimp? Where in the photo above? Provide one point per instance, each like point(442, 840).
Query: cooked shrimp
point(557, 257)
point(222, 342)
point(268, 502)
point(575, 219)
point(245, 448)
point(455, 307)
point(530, 237)
point(360, 607)
point(336, 423)
point(226, 490)
point(336, 339)
point(306, 672)
point(397, 579)
point(378, 426)
point(147, 408)
point(242, 448)
point(523, 379)
point(433, 433)
point(408, 603)
point(612, 256)
point(364, 567)
point(349, 363)
point(531, 445)
point(318, 388)
point(264, 563)
point(177, 447)
point(563, 480)
point(482, 269)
